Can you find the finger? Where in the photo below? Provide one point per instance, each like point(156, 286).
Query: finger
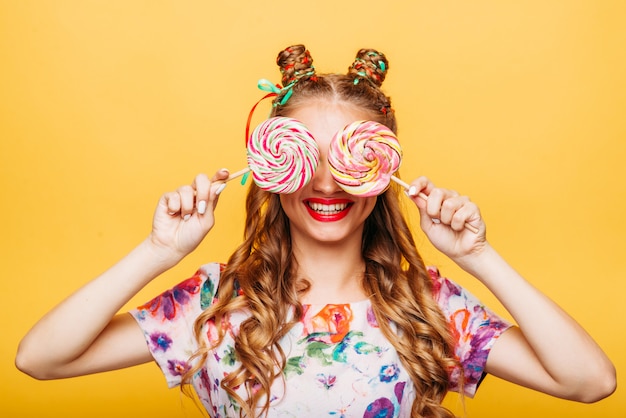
point(218, 183)
point(465, 216)
point(187, 201)
point(450, 205)
point(220, 175)
point(434, 203)
point(420, 189)
point(172, 203)
point(202, 186)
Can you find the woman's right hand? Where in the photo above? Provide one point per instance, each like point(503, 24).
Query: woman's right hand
point(183, 217)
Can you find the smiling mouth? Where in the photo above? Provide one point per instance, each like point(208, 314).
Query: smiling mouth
point(327, 210)
point(323, 210)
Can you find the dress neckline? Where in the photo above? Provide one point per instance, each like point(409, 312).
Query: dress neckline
point(357, 303)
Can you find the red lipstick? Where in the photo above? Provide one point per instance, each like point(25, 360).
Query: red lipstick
point(328, 210)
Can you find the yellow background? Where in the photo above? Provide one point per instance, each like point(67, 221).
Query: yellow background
point(107, 104)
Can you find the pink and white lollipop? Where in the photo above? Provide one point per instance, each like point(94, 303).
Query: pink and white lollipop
point(363, 157)
point(282, 155)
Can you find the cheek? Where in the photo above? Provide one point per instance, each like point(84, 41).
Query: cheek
point(369, 204)
point(288, 202)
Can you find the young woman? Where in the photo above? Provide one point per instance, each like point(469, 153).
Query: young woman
point(326, 307)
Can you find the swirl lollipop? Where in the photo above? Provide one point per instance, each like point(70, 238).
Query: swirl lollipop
point(282, 155)
point(363, 157)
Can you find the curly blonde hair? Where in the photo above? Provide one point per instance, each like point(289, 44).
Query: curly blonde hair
point(261, 271)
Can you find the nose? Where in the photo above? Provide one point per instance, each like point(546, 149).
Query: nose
point(322, 180)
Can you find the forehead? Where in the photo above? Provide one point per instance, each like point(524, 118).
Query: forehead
point(324, 119)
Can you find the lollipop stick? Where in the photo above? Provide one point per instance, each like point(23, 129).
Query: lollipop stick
point(400, 182)
point(423, 196)
point(407, 186)
point(238, 174)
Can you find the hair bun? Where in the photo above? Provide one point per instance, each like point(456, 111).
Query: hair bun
point(295, 62)
point(371, 65)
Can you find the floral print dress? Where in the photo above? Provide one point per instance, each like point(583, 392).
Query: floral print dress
point(339, 364)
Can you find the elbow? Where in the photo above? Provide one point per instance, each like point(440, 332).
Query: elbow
point(603, 387)
point(24, 366)
point(598, 386)
point(27, 364)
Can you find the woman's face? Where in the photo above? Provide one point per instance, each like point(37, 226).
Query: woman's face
point(321, 211)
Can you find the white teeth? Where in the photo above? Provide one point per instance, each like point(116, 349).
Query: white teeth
point(327, 209)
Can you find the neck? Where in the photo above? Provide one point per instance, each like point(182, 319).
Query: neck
point(335, 272)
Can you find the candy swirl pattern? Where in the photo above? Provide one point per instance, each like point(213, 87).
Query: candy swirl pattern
point(363, 156)
point(282, 155)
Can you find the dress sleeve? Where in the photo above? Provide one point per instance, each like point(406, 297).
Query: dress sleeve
point(167, 321)
point(474, 327)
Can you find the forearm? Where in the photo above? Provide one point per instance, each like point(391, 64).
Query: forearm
point(68, 330)
point(558, 341)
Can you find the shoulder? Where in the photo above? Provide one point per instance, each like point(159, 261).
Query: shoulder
point(443, 288)
point(466, 313)
point(188, 296)
point(474, 328)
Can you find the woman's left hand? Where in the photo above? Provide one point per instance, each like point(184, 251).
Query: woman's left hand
point(443, 217)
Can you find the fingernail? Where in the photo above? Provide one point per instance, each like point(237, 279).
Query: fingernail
point(412, 191)
point(220, 189)
point(436, 221)
point(201, 207)
point(186, 217)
